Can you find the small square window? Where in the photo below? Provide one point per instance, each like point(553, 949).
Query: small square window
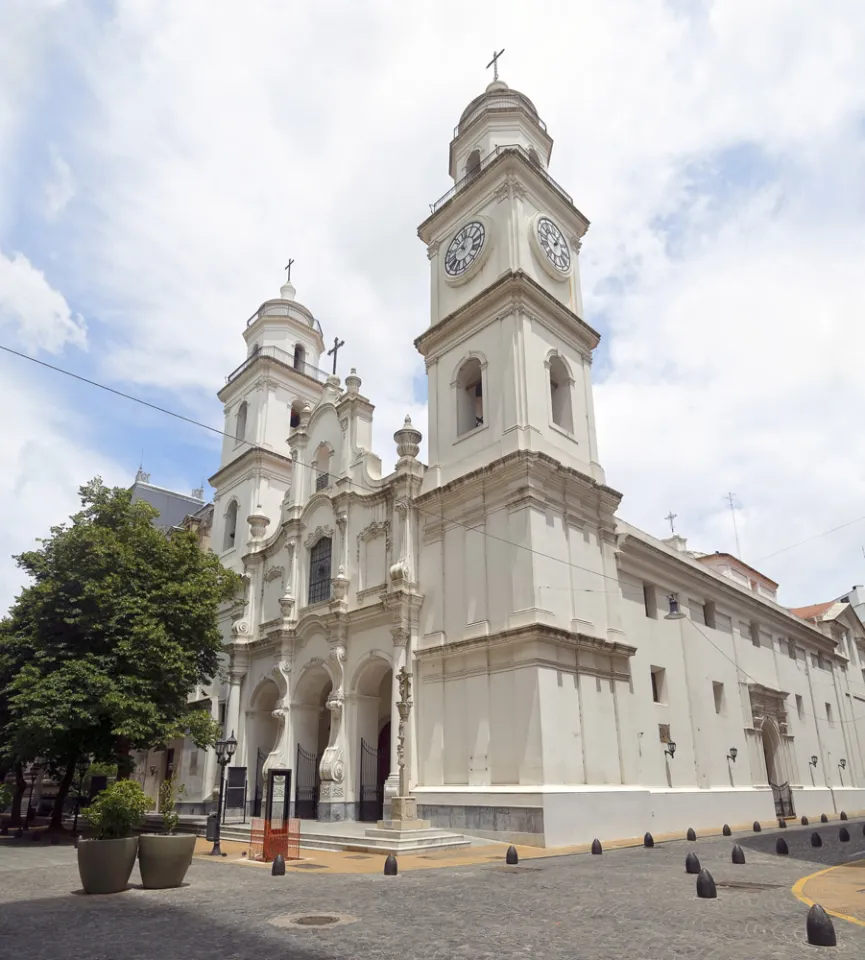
point(754, 631)
point(718, 694)
point(650, 601)
point(709, 614)
point(829, 715)
point(800, 707)
point(659, 684)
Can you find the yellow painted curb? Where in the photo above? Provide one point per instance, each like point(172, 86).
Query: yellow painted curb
point(799, 886)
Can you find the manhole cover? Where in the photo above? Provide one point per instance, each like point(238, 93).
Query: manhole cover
point(359, 856)
point(307, 866)
point(311, 920)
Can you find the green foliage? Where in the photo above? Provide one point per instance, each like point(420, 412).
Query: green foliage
point(5, 796)
point(117, 811)
point(169, 793)
point(118, 626)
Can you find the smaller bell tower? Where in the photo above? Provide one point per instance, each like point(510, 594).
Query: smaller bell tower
point(262, 400)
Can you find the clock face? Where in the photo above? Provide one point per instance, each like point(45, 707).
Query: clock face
point(554, 244)
point(465, 248)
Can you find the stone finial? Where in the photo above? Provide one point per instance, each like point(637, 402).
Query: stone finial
point(258, 524)
point(352, 383)
point(305, 414)
point(408, 440)
point(287, 291)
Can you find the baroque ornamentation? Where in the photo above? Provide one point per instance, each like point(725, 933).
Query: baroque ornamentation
point(274, 572)
point(240, 628)
point(317, 534)
point(502, 192)
point(433, 249)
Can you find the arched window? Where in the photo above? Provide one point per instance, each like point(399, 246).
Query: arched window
point(470, 396)
point(295, 414)
point(560, 394)
point(230, 526)
point(322, 467)
point(319, 571)
point(533, 156)
point(473, 164)
point(299, 356)
point(240, 423)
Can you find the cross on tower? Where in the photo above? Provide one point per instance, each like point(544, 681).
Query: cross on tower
point(671, 517)
point(337, 343)
point(494, 63)
point(288, 269)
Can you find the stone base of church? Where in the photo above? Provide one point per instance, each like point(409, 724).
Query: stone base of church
point(336, 810)
point(557, 816)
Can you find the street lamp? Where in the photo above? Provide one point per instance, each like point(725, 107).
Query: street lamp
point(675, 613)
point(224, 752)
point(733, 754)
point(813, 761)
point(34, 773)
point(670, 749)
point(842, 763)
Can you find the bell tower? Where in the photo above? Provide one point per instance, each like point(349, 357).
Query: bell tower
point(508, 354)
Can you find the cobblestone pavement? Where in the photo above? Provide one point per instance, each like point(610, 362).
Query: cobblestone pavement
point(632, 903)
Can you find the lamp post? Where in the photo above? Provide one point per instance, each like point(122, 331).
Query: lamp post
point(734, 752)
point(224, 752)
point(34, 773)
point(81, 770)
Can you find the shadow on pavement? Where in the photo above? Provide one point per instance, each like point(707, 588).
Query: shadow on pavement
point(833, 852)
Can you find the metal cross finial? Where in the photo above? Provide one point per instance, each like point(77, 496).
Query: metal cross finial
point(494, 63)
point(288, 269)
point(671, 517)
point(337, 343)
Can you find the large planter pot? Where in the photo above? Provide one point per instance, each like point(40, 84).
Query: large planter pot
point(105, 865)
point(164, 859)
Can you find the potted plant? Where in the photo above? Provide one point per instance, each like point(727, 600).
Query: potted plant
point(164, 858)
point(106, 860)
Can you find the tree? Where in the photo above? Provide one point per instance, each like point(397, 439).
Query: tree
point(120, 624)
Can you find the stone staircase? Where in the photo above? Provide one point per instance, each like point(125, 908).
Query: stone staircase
point(342, 835)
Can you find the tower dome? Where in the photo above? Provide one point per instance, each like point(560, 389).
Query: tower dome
point(497, 97)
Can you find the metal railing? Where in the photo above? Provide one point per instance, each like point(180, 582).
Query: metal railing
point(279, 308)
point(490, 106)
point(283, 357)
point(489, 159)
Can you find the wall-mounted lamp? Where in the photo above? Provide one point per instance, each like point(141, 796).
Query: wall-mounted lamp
point(670, 749)
point(152, 769)
point(733, 754)
point(813, 761)
point(842, 763)
point(675, 613)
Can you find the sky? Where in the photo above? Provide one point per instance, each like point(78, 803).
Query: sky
point(161, 161)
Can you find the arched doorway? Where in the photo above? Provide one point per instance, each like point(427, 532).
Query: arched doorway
point(776, 772)
point(312, 732)
point(771, 751)
point(374, 694)
point(263, 729)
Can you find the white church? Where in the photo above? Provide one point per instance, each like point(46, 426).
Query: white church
point(573, 677)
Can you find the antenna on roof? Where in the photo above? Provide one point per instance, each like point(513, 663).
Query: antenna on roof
point(730, 498)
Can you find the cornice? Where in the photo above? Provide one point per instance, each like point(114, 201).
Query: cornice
point(517, 462)
point(268, 366)
point(529, 634)
point(515, 291)
point(636, 550)
point(261, 454)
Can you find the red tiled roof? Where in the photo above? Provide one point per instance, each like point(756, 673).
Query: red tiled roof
point(814, 611)
point(707, 557)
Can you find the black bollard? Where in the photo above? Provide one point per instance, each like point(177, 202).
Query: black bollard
point(278, 868)
point(54, 840)
point(726, 830)
point(706, 889)
point(511, 856)
point(692, 864)
point(823, 818)
point(35, 835)
point(843, 835)
point(781, 847)
point(816, 840)
point(390, 866)
point(597, 849)
point(843, 815)
point(819, 928)
point(4, 830)
point(690, 835)
point(648, 840)
point(757, 827)
point(804, 821)
point(738, 854)
point(782, 823)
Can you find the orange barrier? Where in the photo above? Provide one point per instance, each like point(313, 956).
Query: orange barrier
point(267, 838)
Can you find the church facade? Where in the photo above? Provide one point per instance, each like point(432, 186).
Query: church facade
point(573, 676)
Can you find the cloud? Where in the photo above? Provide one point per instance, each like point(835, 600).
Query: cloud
point(60, 188)
point(716, 147)
point(38, 315)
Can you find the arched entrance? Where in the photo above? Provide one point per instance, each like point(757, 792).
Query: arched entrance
point(771, 745)
point(263, 729)
point(776, 769)
point(373, 695)
point(312, 732)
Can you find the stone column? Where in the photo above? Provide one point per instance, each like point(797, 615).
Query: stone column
point(332, 767)
point(208, 777)
point(232, 709)
point(400, 660)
